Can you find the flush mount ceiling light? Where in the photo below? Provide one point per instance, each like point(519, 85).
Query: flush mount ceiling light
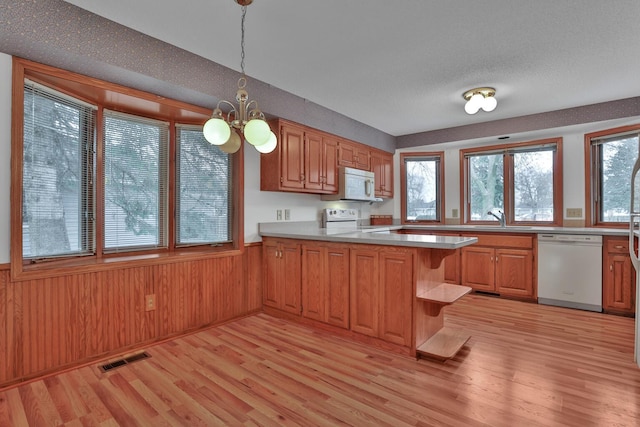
point(480, 97)
point(246, 120)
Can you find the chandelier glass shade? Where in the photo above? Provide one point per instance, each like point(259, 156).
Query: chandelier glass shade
point(480, 98)
point(246, 120)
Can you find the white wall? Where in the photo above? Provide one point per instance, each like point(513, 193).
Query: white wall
point(573, 161)
point(5, 155)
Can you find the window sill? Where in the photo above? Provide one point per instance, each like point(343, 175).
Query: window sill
point(92, 265)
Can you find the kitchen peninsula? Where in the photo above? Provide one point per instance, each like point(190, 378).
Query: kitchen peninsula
point(371, 285)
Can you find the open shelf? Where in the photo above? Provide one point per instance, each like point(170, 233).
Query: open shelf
point(444, 293)
point(444, 344)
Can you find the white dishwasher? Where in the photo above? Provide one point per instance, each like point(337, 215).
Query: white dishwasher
point(570, 271)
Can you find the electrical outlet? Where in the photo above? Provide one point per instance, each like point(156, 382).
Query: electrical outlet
point(287, 214)
point(150, 302)
point(279, 214)
point(574, 212)
point(454, 213)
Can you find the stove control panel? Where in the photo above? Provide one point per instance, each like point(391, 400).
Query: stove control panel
point(334, 215)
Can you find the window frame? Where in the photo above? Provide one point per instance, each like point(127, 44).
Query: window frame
point(592, 170)
point(119, 98)
point(440, 198)
point(508, 184)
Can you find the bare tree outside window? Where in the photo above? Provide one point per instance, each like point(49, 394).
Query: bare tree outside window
point(520, 180)
point(533, 186)
point(486, 185)
point(422, 188)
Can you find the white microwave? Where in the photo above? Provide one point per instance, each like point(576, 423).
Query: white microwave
point(355, 185)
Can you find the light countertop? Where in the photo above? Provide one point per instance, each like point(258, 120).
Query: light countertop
point(519, 229)
point(382, 235)
point(365, 235)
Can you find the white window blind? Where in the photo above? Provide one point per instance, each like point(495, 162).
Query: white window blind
point(204, 205)
point(57, 175)
point(135, 177)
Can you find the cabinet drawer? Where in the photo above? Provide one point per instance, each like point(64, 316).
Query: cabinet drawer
point(502, 240)
point(618, 246)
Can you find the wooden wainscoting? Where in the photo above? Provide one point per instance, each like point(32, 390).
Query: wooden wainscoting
point(50, 324)
point(525, 365)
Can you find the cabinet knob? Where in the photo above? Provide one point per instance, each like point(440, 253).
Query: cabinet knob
point(618, 246)
point(611, 267)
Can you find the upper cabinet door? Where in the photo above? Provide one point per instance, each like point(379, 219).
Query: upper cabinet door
point(313, 161)
point(346, 154)
point(382, 168)
point(330, 166)
point(353, 155)
point(292, 156)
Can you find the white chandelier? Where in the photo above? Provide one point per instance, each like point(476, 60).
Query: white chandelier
point(246, 120)
point(480, 97)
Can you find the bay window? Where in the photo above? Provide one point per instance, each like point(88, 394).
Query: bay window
point(101, 170)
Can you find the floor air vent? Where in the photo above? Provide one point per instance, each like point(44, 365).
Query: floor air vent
point(121, 362)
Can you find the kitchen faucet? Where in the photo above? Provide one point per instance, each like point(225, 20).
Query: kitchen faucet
point(501, 219)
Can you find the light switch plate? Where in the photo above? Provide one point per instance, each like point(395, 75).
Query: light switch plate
point(454, 213)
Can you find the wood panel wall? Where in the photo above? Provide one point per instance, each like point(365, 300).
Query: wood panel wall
point(50, 324)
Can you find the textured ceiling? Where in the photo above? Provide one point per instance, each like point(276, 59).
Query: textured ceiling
point(402, 66)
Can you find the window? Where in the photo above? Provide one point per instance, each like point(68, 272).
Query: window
point(422, 186)
point(524, 181)
point(136, 178)
point(135, 182)
point(204, 193)
point(57, 190)
point(609, 159)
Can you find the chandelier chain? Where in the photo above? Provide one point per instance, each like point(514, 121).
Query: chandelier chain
point(244, 13)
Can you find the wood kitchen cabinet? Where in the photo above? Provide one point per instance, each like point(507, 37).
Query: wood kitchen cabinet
point(304, 161)
point(618, 281)
point(282, 274)
point(353, 155)
point(382, 293)
point(501, 264)
point(382, 168)
point(325, 283)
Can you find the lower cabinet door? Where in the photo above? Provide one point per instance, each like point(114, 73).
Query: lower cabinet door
point(313, 282)
point(514, 272)
point(337, 287)
point(271, 295)
point(364, 293)
point(619, 289)
point(290, 278)
point(396, 296)
point(478, 268)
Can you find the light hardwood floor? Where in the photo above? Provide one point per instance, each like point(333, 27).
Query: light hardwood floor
point(525, 365)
